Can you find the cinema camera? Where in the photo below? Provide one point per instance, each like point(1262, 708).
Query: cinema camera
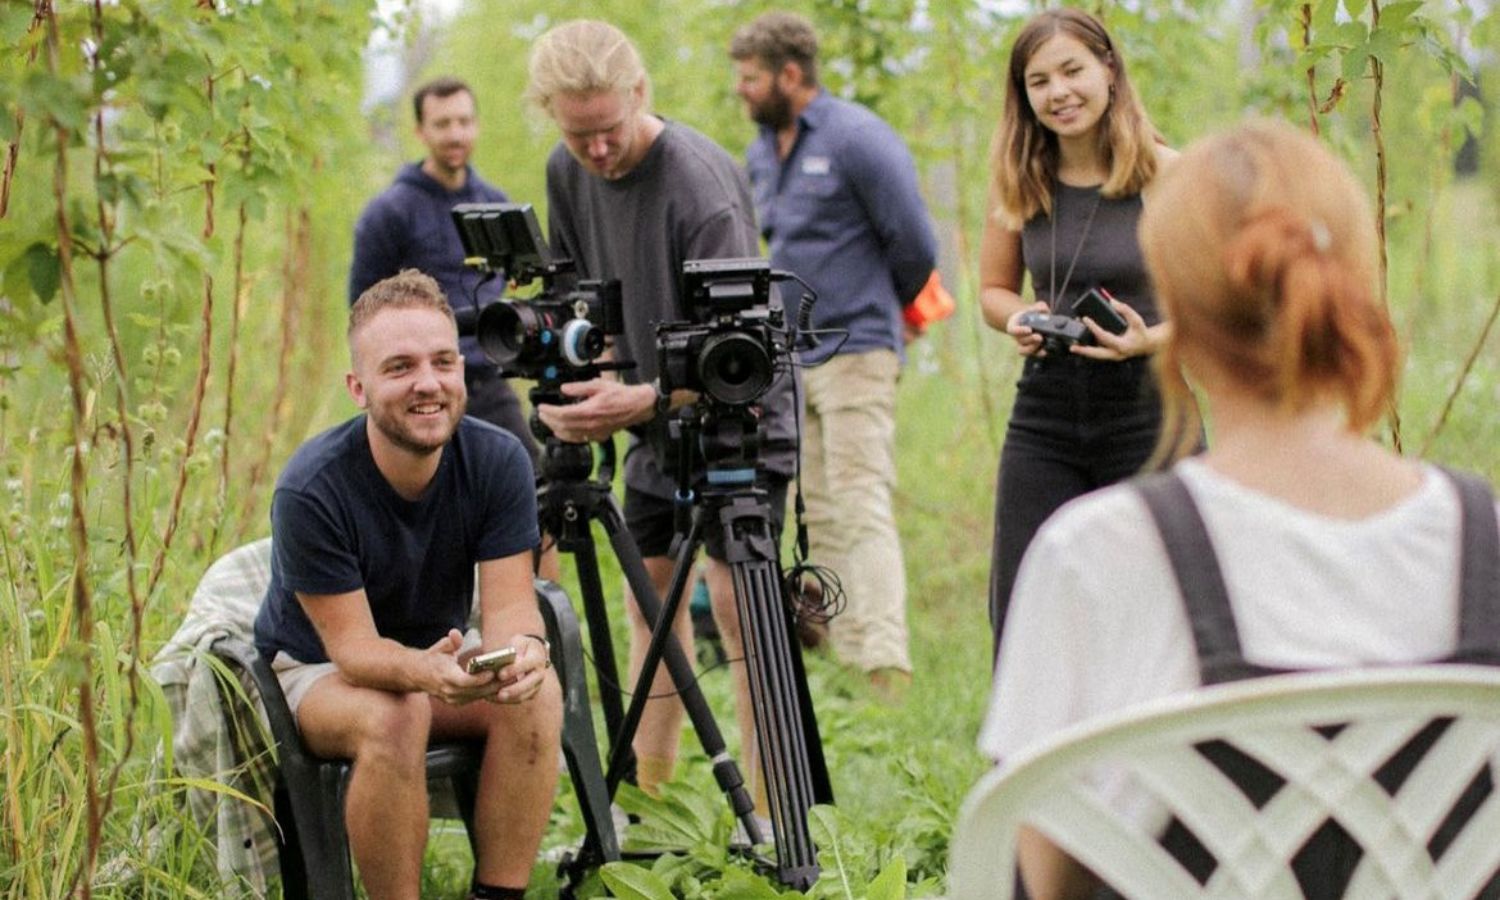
point(552, 338)
point(730, 352)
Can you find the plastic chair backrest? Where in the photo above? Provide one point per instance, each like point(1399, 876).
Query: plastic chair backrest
point(1283, 722)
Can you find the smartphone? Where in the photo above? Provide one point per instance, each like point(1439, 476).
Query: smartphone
point(493, 661)
point(1095, 305)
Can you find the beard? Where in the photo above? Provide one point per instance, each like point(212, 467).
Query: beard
point(774, 112)
point(396, 430)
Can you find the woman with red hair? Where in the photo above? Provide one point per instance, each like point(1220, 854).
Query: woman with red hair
point(1332, 551)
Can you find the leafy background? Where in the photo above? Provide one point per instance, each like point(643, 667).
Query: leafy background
point(176, 202)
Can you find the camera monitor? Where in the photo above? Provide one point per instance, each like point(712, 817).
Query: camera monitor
point(726, 285)
point(503, 236)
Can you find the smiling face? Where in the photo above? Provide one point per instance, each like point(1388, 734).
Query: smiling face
point(448, 129)
point(409, 378)
point(1068, 87)
point(605, 131)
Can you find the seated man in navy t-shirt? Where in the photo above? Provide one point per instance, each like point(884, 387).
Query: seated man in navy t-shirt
point(377, 525)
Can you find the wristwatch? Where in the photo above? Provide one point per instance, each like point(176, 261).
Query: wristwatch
point(546, 645)
point(663, 399)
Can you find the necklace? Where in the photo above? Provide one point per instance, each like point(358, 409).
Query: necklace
point(1055, 304)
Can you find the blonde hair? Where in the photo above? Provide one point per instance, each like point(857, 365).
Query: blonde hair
point(1262, 249)
point(585, 56)
point(1023, 152)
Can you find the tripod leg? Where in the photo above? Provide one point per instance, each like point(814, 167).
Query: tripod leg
point(594, 611)
point(776, 689)
point(665, 648)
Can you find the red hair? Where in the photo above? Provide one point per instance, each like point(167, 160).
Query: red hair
point(1261, 247)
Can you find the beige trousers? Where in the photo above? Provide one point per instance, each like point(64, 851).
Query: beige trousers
point(848, 475)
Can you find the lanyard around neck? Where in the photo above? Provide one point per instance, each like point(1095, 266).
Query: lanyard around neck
point(1053, 302)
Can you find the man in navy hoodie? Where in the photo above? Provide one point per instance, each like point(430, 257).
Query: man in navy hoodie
point(409, 226)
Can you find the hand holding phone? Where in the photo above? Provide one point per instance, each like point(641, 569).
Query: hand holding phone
point(1096, 305)
point(493, 661)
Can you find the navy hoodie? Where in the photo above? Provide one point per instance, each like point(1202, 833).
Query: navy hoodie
point(409, 226)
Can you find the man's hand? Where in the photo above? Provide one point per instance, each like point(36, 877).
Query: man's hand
point(522, 679)
point(604, 406)
point(446, 679)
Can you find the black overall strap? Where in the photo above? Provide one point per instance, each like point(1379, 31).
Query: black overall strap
point(1479, 571)
point(1199, 578)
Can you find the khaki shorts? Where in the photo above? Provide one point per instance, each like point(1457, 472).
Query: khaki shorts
point(297, 677)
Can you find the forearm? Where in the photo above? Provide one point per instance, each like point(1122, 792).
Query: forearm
point(503, 626)
point(382, 664)
point(508, 606)
point(997, 305)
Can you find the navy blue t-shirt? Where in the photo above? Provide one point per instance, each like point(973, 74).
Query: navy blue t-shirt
point(337, 525)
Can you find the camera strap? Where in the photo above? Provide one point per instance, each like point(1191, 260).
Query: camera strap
point(1054, 304)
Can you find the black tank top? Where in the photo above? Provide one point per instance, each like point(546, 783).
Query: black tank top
point(1108, 251)
point(1326, 862)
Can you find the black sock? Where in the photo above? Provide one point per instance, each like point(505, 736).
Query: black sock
point(482, 891)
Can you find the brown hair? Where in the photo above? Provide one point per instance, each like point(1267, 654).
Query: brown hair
point(1023, 153)
point(584, 56)
point(1262, 249)
point(440, 88)
point(776, 39)
point(407, 289)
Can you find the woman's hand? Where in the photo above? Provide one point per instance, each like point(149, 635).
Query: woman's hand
point(1136, 340)
point(1027, 341)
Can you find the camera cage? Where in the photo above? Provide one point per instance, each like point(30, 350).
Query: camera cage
point(551, 337)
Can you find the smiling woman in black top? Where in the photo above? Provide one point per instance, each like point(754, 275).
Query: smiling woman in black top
point(1073, 154)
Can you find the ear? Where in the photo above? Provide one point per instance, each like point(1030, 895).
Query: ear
point(790, 75)
point(356, 390)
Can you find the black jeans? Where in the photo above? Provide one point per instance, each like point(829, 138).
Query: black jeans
point(1077, 425)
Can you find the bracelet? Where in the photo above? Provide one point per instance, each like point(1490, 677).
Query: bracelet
point(546, 645)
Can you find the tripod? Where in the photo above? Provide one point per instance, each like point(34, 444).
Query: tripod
point(568, 501)
point(791, 751)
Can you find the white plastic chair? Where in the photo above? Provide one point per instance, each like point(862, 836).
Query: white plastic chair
point(1271, 719)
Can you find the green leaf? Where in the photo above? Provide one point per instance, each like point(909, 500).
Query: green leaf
point(1354, 63)
point(629, 881)
point(43, 270)
point(890, 884)
point(1395, 16)
point(15, 21)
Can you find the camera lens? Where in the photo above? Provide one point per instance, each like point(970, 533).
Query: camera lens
point(734, 368)
point(509, 333)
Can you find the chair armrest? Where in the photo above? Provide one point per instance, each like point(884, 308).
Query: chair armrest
point(562, 627)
